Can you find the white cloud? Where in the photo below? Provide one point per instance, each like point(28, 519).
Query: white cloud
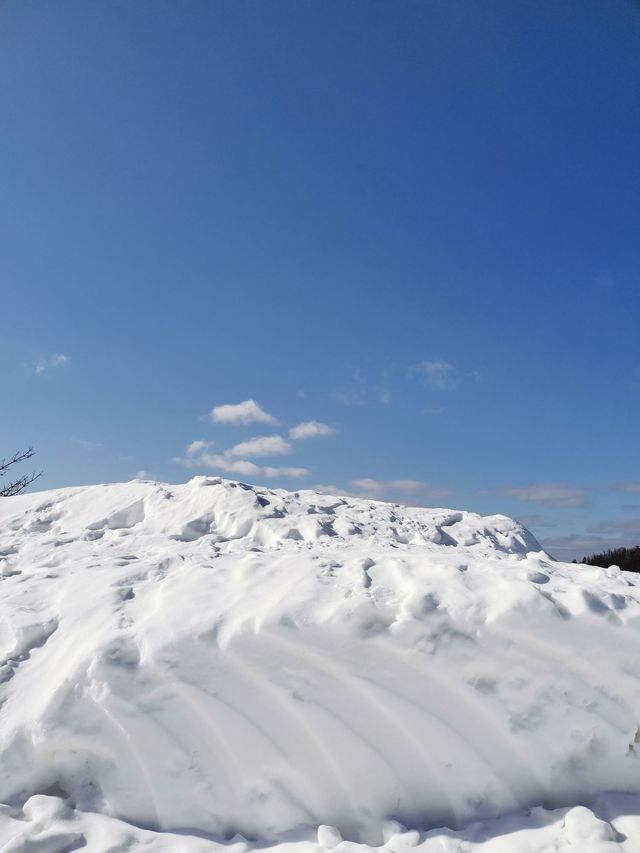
point(238, 466)
point(219, 462)
point(285, 472)
point(51, 361)
point(261, 445)
point(141, 475)
point(439, 373)
point(549, 494)
point(247, 412)
point(230, 465)
point(408, 488)
point(197, 455)
point(224, 462)
point(237, 459)
point(310, 429)
point(198, 446)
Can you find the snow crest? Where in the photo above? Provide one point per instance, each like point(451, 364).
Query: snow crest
point(218, 658)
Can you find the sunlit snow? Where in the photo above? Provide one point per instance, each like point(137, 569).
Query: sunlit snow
point(216, 665)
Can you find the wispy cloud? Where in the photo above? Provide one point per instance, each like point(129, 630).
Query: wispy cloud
point(414, 489)
point(439, 373)
point(628, 527)
point(285, 472)
point(310, 429)
point(356, 393)
point(548, 494)
point(86, 445)
point(51, 362)
point(599, 537)
point(534, 520)
point(573, 546)
point(262, 445)
point(630, 487)
point(247, 412)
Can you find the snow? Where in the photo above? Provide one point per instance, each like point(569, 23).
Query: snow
point(216, 665)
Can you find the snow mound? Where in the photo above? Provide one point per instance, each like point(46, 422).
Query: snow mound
point(216, 658)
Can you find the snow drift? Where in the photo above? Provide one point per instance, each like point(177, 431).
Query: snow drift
point(215, 658)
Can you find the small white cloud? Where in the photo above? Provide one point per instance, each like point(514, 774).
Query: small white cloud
point(548, 494)
point(198, 446)
point(59, 360)
point(247, 412)
point(141, 475)
point(262, 445)
point(310, 429)
point(239, 466)
point(285, 472)
point(223, 462)
point(219, 462)
point(439, 373)
point(227, 462)
point(51, 361)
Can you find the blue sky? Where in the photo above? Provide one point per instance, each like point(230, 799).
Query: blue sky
point(414, 222)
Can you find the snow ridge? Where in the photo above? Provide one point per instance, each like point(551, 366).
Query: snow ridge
point(218, 658)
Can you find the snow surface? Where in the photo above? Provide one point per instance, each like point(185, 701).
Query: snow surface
point(180, 665)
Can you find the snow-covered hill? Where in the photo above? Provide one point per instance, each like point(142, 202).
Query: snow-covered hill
point(213, 658)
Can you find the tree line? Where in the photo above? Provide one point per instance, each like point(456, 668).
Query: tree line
point(627, 558)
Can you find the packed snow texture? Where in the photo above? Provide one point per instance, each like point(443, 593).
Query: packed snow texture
point(215, 659)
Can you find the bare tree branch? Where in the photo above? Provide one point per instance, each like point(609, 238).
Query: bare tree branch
point(19, 485)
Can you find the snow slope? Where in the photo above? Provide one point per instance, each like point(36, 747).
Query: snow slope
point(214, 658)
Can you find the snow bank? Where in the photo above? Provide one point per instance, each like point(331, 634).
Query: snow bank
point(215, 658)
point(48, 825)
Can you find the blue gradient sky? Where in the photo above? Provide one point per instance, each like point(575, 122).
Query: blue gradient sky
point(416, 222)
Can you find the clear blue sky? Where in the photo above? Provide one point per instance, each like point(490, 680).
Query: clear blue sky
point(415, 222)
